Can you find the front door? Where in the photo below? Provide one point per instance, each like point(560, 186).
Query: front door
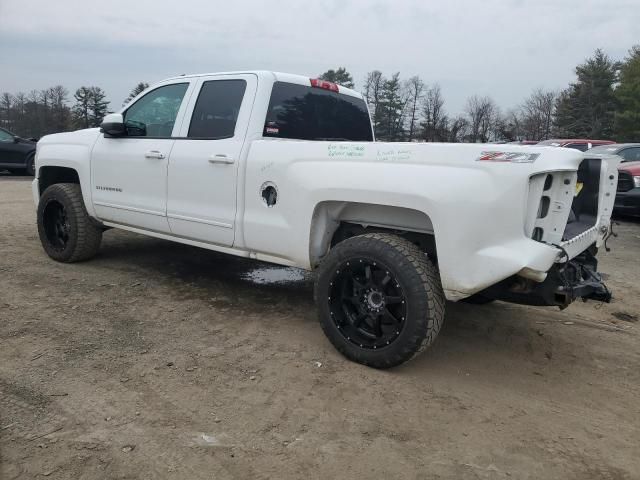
point(204, 163)
point(129, 174)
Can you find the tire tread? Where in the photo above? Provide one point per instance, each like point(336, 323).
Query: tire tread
point(88, 234)
point(427, 290)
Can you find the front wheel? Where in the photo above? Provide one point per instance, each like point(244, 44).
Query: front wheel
point(380, 300)
point(67, 233)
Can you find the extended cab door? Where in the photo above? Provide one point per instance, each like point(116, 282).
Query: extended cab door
point(129, 174)
point(204, 163)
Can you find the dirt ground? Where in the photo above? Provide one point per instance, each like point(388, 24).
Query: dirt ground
point(157, 360)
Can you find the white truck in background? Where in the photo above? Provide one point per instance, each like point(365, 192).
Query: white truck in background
point(285, 169)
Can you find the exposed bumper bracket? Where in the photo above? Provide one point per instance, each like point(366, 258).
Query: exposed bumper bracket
point(565, 282)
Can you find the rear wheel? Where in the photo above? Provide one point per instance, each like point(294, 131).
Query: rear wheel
point(67, 233)
point(380, 299)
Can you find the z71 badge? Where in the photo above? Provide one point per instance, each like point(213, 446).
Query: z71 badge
point(513, 157)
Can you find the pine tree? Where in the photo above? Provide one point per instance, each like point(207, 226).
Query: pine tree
point(98, 106)
point(392, 110)
point(339, 76)
point(137, 90)
point(90, 107)
point(627, 118)
point(586, 109)
point(80, 110)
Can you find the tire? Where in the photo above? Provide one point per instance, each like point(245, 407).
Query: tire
point(31, 165)
point(379, 298)
point(67, 233)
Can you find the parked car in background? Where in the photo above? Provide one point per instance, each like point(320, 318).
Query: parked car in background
point(16, 154)
point(630, 152)
point(581, 144)
point(628, 194)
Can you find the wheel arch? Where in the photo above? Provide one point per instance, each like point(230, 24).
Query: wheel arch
point(335, 221)
point(51, 174)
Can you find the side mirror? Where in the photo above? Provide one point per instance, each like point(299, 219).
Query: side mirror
point(16, 139)
point(113, 125)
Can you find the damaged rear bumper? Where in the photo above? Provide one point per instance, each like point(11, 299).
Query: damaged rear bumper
point(565, 282)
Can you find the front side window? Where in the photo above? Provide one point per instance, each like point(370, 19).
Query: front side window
point(154, 115)
point(631, 154)
point(306, 113)
point(5, 136)
point(217, 109)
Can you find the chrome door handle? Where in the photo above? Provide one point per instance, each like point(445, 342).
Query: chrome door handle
point(221, 158)
point(154, 154)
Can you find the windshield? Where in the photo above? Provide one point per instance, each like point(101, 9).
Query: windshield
point(305, 113)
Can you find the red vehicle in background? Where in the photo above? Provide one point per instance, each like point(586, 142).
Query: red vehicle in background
point(581, 144)
point(628, 194)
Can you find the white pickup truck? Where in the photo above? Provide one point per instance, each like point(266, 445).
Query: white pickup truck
point(285, 169)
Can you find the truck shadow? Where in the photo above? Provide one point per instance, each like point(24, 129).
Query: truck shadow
point(499, 332)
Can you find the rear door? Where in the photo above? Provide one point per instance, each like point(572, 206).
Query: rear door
point(129, 174)
point(204, 163)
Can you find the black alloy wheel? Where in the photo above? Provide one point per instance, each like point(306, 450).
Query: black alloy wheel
point(56, 225)
point(367, 304)
point(380, 300)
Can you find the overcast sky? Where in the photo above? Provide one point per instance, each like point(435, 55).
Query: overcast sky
point(499, 48)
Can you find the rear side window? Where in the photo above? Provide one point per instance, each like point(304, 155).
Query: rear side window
point(305, 113)
point(578, 146)
point(217, 108)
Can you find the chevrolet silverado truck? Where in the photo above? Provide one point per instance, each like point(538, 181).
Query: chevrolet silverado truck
point(285, 169)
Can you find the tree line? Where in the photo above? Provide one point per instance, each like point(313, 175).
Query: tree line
point(41, 112)
point(603, 102)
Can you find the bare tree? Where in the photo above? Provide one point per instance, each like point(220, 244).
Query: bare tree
point(6, 110)
point(373, 87)
point(433, 115)
point(415, 91)
point(458, 130)
point(481, 112)
point(537, 114)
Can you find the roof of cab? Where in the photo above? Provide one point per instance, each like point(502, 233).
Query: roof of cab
point(269, 76)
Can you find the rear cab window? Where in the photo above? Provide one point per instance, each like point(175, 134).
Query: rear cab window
point(583, 147)
point(306, 113)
